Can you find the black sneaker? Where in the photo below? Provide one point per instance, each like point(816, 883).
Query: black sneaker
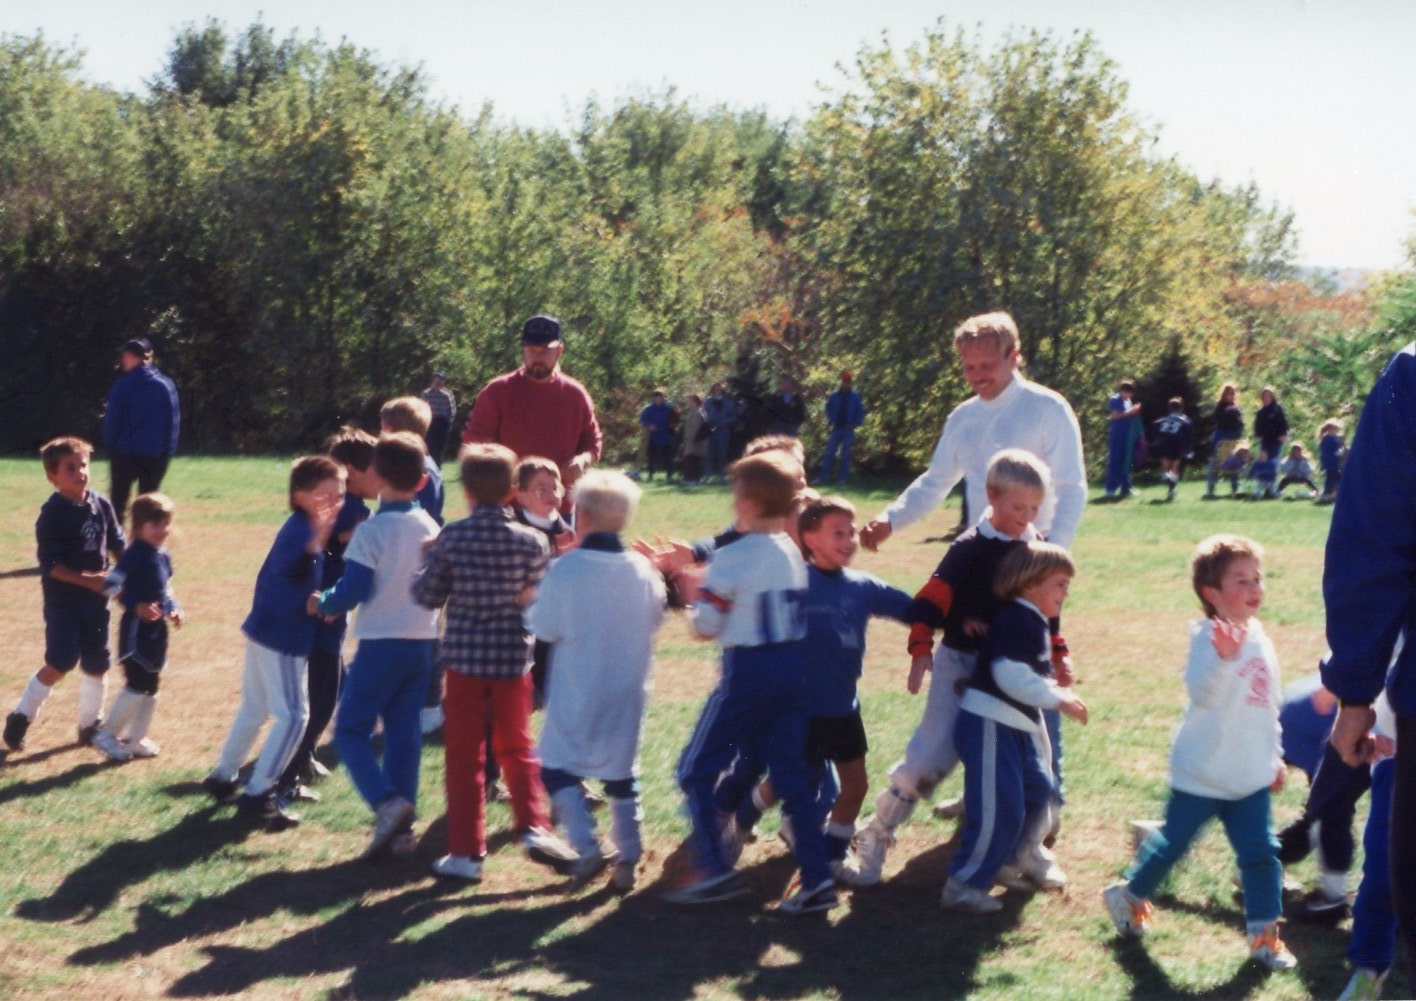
point(87, 733)
point(1317, 908)
point(16, 726)
point(219, 789)
point(268, 809)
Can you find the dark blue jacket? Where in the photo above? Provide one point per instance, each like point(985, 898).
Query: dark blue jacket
point(143, 416)
point(845, 409)
point(1369, 577)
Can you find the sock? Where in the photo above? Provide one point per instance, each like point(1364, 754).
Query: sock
point(123, 711)
point(91, 692)
point(1333, 884)
point(574, 814)
point(838, 840)
point(625, 817)
point(142, 719)
point(34, 695)
point(893, 808)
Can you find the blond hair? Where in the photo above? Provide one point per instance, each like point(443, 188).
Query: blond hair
point(1016, 467)
point(997, 329)
point(605, 501)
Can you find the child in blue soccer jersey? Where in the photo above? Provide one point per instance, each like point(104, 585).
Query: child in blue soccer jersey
point(751, 603)
point(142, 583)
point(839, 604)
point(999, 733)
point(76, 531)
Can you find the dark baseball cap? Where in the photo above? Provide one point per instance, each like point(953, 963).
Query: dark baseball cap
point(137, 346)
point(541, 331)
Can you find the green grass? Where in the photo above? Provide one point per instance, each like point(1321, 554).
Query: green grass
point(124, 882)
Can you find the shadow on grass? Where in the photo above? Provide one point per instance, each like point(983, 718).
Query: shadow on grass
point(26, 790)
point(1150, 983)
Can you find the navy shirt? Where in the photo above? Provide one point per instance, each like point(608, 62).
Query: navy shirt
point(431, 497)
point(78, 536)
point(143, 415)
point(838, 606)
point(960, 589)
point(329, 636)
point(286, 580)
point(1018, 633)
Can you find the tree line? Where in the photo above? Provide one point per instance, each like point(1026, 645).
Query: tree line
point(303, 231)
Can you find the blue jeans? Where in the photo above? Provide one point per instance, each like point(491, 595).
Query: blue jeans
point(1373, 943)
point(1250, 832)
point(841, 440)
point(715, 457)
point(1118, 459)
point(387, 679)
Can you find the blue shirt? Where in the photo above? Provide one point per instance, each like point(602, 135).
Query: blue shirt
point(657, 417)
point(143, 415)
point(286, 580)
point(838, 606)
point(329, 636)
point(430, 498)
point(78, 536)
point(845, 409)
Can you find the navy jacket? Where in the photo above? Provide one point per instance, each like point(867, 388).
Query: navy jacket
point(143, 416)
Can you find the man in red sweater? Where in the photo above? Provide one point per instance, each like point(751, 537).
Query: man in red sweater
point(538, 409)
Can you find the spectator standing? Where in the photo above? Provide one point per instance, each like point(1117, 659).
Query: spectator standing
point(721, 414)
point(1270, 424)
point(443, 406)
point(786, 410)
point(845, 411)
point(694, 443)
point(1228, 430)
point(658, 420)
point(140, 425)
point(1124, 416)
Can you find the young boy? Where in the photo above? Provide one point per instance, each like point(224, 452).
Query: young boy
point(1331, 452)
point(538, 500)
point(1001, 738)
point(600, 687)
point(75, 533)
point(839, 604)
point(141, 582)
point(1174, 441)
point(750, 602)
point(280, 633)
point(354, 450)
point(958, 599)
point(483, 567)
point(1227, 756)
point(388, 677)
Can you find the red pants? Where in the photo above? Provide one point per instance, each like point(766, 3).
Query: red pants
point(468, 704)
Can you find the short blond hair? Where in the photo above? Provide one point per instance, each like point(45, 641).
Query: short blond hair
point(997, 329)
point(406, 413)
point(1212, 559)
point(605, 501)
point(771, 479)
point(1016, 467)
point(1030, 563)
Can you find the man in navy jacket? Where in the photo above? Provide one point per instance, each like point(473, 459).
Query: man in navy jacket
point(140, 425)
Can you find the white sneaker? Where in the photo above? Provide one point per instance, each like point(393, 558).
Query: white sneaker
point(111, 746)
point(1268, 949)
point(143, 748)
point(392, 815)
point(949, 809)
point(544, 847)
point(587, 867)
point(867, 860)
point(1130, 916)
point(959, 896)
point(1010, 877)
point(1040, 866)
point(431, 720)
point(469, 870)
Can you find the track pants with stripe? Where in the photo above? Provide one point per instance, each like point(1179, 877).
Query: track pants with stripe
point(1007, 790)
point(273, 685)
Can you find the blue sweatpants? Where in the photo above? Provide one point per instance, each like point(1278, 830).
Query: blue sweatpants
point(1007, 789)
point(1250, 832)
point(1373, 942)
point(758, 706)
point(387, 679)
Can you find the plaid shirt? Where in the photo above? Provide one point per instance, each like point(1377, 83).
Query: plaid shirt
point(479, 566)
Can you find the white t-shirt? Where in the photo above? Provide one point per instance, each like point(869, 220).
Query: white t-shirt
point(391, 544)
point(754, 593)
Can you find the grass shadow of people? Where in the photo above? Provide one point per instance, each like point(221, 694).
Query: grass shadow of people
point(40, 787)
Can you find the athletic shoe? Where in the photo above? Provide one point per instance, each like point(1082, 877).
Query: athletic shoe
point(16, 725)
point(269, 809)
point(949, 809)
point(1319, 909)
point(403, 844)
point(587, 867)
point(730, 885)
point(143, 748)
point(431, 720)
point(1365, 985)
point(1041, 867)
point(1130, 916)
point(219, 789)
point(468, 870)
point(867, 859)
point(111, 746)
point(1267, 948)
point(821, 897)
point(622, 877)
point(89, 732)
point(959, 896)
point(1010, 877)
point(544, 847)
point(314, 771)
point(390, 817)
point(729, 840)
point(297, 791)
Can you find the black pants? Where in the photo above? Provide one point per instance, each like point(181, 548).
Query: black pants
point(436, 438)
point(325, 674)
point(124, 469)
point(661, 457)
point(1403, 838)
point(1332, 799)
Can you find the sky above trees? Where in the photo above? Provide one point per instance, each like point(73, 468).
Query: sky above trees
point(1311, 101)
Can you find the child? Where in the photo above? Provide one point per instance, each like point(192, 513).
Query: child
point(600, 690)
point(1331, 452)
point(839, 603)
point(280, 633)
point(1174, 441)
point(958, 599)
point(1234, 466)
point(1226, 758)
point(1123, 416)
point(75, 533)
point(354, 450)
point(1297, 469)
point(538, 501)
point(750, 601)
point(1264, 472)
point(1000, 736)
point(141, 581)
point(388, 677)
point(482, 567)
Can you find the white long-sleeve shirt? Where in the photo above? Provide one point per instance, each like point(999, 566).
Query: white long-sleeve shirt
point(1228, 746)
point(1025, 415)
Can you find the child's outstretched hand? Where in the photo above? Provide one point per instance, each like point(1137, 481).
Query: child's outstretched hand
point(176, 618)
point(1073, 708)
point(149, 612)
point(919, 667)
point(312, 604)
point(1228, 638)
point(1279, 779)
point(688, 580)
point(975, 627)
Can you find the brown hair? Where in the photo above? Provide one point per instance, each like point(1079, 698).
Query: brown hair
point(777, 443)
point(398, 459)
point(309, 471)
point(406, 413)
point(771, 479)
point(488, 472)
point(817, 510)
point(55, 451)
point(153, 508)
point(998, 329)
point(351, 446)
point(1028, 564)
point(1212, 559)
point(528, 467)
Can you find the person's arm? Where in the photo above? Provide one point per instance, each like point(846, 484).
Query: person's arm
point(353, 587)
point(1063, 456)
point(922, 496)
point(484, 420)
point(588, 445)
point(713, 602)
point(857, 411)
point(1206, 667)
point(174, 415)
point(433, 581)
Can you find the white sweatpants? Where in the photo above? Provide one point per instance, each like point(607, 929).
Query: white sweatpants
point(273, 685)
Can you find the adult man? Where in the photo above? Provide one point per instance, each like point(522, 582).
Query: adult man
point(1007, 412)
point(537, 409)
point(785, 410)
point(845, 411)
point(441, 402)
point(1371, 606)
point(140, 425)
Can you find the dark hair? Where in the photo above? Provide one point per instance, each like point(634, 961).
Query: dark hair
point(1177, 404)
point(398, 459)
point(153, 508)
point(55, 451)
point(528, 467)
point(817, 510)
point(351, 446)
point(769, 478)
point(487, 472)
point(309, 471)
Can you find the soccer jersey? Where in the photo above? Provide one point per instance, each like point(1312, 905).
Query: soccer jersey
point(78, 536)
point(753, 593)
point(838, 607)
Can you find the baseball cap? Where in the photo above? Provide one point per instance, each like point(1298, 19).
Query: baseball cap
point(541, 331)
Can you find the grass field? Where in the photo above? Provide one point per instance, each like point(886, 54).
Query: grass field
point(123, 881)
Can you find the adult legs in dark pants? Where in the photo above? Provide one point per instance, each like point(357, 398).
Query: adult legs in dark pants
point(325, 675)
point(1403, 837)
point(124, 470)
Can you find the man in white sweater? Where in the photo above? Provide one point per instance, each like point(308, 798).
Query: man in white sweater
point(1007, 412)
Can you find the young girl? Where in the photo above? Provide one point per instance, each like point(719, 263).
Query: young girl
point(1000, 737)
point(142, 582)
point(1227, 757)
